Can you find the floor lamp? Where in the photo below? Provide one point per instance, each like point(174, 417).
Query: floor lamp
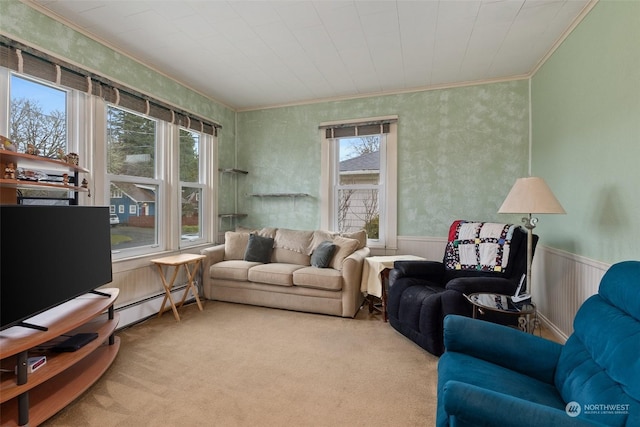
point(529, 196)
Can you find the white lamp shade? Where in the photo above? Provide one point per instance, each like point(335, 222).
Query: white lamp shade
point(531, 195)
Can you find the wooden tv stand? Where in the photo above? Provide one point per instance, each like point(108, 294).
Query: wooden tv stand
point(33, 398)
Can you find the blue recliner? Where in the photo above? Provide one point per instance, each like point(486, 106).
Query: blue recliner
point(492, 375)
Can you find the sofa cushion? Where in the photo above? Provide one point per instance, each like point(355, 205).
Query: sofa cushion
point(264, 232)
point(323, 254)
point(294, 240)
point(235, 244)
point(289, 257)
point(360, 236)
point(320, 236)
point(311, 277)
point(273, 274)
point(259, 248)
point(344, 248)
point(232, 270)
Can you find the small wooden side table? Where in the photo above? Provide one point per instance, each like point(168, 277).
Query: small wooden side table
point(177, 261)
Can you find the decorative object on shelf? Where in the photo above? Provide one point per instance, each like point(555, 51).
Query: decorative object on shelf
point(33, 150)
point(6, 144)
point(73, 159)
point(65, 178)
point(531, 195)
point(61, 155)
point(10, 171)
point(85, 183)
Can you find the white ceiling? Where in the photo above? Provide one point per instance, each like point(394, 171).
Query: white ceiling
point(250, 54)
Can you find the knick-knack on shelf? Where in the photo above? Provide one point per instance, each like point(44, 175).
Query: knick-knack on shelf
point(10, 171)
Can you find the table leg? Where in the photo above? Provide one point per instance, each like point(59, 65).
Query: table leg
point(384, 276)
point(190, 276)
point(167, 291)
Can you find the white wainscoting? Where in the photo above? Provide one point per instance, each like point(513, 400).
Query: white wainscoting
point(561, 281)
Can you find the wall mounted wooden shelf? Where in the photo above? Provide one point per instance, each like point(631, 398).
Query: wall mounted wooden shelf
point(280, 195)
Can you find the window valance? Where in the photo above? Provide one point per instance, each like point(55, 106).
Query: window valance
point(30, 61)
point(343, 130)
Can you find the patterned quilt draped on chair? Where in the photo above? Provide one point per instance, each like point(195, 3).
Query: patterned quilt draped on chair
point(481, 246)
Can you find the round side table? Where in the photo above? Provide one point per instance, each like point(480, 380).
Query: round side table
point(524, 310)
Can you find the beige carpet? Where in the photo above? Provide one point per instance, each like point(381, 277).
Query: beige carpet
point(237, 365)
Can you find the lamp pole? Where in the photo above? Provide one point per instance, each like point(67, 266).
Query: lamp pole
point(529, 223)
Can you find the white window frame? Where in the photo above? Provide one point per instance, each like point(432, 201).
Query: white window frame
point(159, 181)
point(86, 135)
point(200, 184)
point(387, 202)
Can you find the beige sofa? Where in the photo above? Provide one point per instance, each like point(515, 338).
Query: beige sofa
point(288, 280)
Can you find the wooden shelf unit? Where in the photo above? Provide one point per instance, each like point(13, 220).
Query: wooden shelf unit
point(65, 376)
point(9, 187)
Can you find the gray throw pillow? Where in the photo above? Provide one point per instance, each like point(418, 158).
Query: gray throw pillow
point(259, 249)
point(322, 255)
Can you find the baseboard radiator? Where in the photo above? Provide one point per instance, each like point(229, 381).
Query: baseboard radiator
point(143, 309)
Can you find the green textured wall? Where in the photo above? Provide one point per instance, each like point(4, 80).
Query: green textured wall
point(586, 135)
point(31, 27)
point(460, 150)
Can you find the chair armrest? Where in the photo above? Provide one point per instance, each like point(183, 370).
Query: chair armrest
point(494, 285)
point(214, 254)
point(428, 270)
point(501, 345)
point(472, 405)
point(351, 278)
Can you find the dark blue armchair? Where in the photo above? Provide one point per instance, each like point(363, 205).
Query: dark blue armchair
point(422, 293)
point(492, 375)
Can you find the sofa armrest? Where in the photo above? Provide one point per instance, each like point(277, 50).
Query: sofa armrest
point(470, 285)
point(214, 254)
point(501, 345)
point(427, 270)
point(472, 405)
point(351, 278)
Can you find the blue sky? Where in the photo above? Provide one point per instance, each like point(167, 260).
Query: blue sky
point(47, 97)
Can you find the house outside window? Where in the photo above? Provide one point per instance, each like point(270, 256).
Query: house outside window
point(360, 184)
point(132, 158)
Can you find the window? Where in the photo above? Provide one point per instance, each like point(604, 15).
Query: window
point(38, 125)
point(132, 175)
point(154, 165)
point(191, 187)
point(359, 184)
point(359, 179)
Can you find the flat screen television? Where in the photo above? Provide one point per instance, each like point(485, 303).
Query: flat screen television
point(50, 255)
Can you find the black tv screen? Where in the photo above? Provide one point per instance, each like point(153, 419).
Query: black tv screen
point(49, 255)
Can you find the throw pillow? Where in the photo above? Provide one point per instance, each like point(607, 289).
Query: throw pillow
point(344, 248)
point(321, 256)
point(360, 236)
point(235, 245)
point(259, 249)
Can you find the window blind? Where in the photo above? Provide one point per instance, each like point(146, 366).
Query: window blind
point(357, 129)
point(30, 61)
